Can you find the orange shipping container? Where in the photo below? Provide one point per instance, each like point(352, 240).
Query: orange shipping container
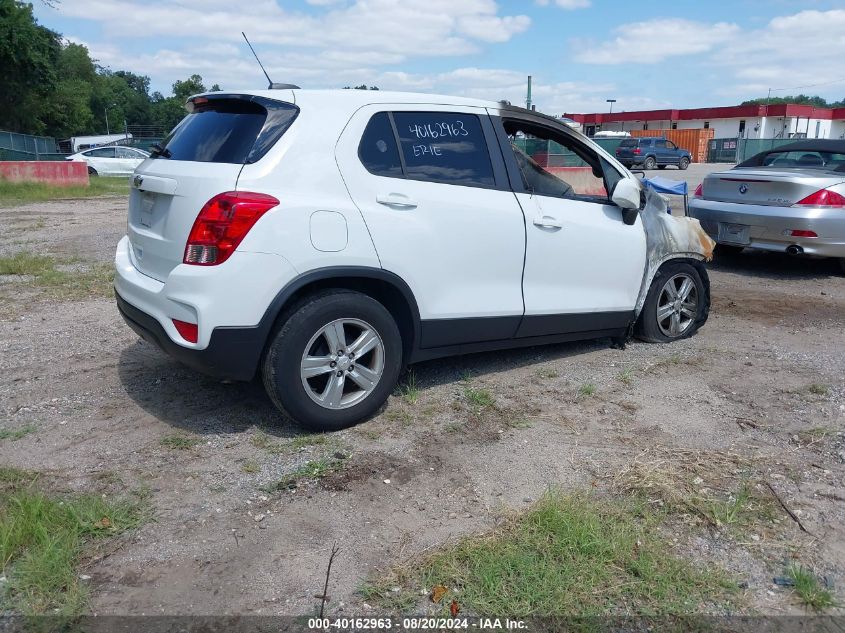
point(694, 140)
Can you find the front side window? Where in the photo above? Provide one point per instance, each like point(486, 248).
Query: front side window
point(553, 164)
point(444, 147)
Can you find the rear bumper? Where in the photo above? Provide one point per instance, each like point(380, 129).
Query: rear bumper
point(231, 353)
point(769, 226)
point(229, 303)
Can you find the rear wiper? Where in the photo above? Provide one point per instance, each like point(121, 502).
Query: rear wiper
point(158, 150)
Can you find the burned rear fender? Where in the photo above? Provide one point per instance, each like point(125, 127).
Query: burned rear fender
point(669, 237)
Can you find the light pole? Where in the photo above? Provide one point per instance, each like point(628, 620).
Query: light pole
point(611, 102)
point(106, 110)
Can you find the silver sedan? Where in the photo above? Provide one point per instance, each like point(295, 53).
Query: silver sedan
point(790, 199)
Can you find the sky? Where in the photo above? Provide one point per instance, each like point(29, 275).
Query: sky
point(646, 54)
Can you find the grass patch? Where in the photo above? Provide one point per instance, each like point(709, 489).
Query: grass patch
point(61, 279)
point(262, 440)
point(479, 398)
point(626, 377)
point(408, 390)
point(316, 469)
point(179, 442)
point(11, 477)
point(16, 434)
point(586, 390)
point(250, 467)
point(44, 539)
point(546, 373)
point(809, 590)
point(16, 193)
point(818, 389)
point(713, 487)
point(567, 556)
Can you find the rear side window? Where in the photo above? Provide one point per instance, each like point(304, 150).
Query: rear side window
point(228, 130)
point(378, 151)
point(444, 147)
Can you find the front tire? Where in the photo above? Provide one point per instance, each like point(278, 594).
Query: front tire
point(649, 163)
point(677, 304)
point(684, 163)
point(92, 171)
point(334, 361)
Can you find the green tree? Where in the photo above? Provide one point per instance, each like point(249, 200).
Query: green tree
point(29, 54)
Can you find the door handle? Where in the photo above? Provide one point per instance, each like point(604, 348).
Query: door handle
point(396, 200)
point(548, 222)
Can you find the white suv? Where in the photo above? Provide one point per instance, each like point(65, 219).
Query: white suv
point(326, 239)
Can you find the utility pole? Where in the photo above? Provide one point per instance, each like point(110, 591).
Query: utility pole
point(528, 98)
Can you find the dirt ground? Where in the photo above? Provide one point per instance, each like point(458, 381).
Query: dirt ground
point(763, 380)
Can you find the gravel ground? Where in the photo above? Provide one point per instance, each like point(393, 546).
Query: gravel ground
point(762, 380)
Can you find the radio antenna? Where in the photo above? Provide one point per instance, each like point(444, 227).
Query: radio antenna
point(269, 81)
point(271, 85)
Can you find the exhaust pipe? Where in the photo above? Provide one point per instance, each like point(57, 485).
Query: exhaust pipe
point(794, 249)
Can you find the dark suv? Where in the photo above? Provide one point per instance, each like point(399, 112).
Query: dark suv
point(651, 153)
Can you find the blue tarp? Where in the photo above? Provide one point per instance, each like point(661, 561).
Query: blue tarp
point(667, 185)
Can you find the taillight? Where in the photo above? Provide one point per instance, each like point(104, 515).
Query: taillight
point(801, 233)
point(638, 151)
point(188, 331)
point(822, 198)
point(699, 191)
point(222, 224)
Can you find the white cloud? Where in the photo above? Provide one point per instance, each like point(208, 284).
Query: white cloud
point(655, 41)
point(790, 51)
point(566, 4)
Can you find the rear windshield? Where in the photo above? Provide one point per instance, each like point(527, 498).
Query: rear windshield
point(802, 159)
point(629, 142)
point(228, 129)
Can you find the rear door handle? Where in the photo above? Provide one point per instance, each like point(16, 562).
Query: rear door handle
point(396, 200)
point(548, 222)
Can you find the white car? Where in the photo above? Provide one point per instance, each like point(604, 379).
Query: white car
point(326, 239)
point(111, 160)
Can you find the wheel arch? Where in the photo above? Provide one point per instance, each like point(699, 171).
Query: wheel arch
point(385, 287)
point(695, 259)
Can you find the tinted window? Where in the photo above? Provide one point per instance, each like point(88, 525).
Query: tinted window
point(123, 152)
point(378, 151)
point(444, 147)
point(101, 152)
point(629, 142)
point(228, 130)
point(660, 143)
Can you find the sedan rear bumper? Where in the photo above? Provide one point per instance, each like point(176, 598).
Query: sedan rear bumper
point(769, 227)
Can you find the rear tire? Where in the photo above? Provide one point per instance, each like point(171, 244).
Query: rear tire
point(677, 304)
point(684, 163)
point(649, 163)
point(300, 368)
point(842, 264)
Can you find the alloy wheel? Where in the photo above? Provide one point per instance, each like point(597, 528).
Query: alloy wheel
point(677, 305)
point(342, 363)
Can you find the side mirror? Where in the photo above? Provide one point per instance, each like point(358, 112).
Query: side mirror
point(626, 196)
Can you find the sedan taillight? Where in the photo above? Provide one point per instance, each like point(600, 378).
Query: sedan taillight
point(699, 191)
point(823, 198)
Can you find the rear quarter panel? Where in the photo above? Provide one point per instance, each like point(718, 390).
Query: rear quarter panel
point(316, 225)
